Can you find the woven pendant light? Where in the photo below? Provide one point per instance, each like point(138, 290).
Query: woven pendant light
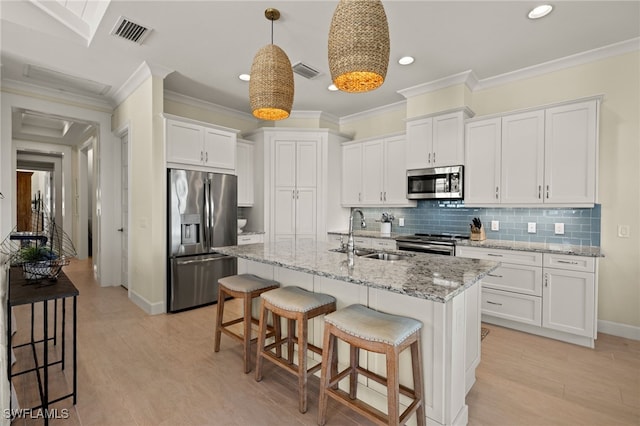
point(271, 85)
point(359, 45)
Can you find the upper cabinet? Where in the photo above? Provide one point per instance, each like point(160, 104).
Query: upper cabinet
point(438, 140)
point(374, 173)
point(244, 169)
point(538, 157)
point(199, 145)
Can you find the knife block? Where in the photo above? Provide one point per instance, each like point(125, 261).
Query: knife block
point(478, 235)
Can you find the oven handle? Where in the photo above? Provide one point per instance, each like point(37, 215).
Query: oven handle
point(424, 248)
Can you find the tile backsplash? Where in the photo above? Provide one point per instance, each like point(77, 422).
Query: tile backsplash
point(581, 225)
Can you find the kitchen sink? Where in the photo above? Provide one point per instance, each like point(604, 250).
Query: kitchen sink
point(358, 252)
point(387, 256)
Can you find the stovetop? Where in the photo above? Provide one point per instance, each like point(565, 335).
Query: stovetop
point(444, 238)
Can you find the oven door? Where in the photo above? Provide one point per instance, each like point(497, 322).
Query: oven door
point(427, 247)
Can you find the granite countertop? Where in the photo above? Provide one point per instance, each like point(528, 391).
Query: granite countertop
point(554, 248)
point(433, 277)
point(368, 234)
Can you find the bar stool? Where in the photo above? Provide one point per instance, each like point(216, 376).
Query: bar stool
point(364, 328)
point(294, 304)
point(246, 287)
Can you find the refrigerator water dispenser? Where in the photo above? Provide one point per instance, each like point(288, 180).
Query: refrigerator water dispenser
point(190, 229)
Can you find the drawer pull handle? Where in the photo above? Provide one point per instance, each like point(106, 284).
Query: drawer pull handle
point(494, 255)
point(493, 303)
point(495, 276)
point(570, 262)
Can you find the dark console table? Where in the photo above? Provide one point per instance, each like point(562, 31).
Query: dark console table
point(23, 292)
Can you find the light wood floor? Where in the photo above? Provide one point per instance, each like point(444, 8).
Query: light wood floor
point(136, 369)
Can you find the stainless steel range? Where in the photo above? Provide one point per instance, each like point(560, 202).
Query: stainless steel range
point(444, 244)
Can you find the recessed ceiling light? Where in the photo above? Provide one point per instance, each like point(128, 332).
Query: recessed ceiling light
point(540, 11)
point(244, 77)
point(332, 87)
point(406, 60)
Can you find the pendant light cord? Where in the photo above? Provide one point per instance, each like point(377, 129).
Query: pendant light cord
point(271, 31)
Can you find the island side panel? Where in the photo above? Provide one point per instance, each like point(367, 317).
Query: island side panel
point(473, 308)
point(443, 352)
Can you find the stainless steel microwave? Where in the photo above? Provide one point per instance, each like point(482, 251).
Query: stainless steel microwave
point(435, 183)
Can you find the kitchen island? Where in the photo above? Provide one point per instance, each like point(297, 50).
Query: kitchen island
point(442, 292)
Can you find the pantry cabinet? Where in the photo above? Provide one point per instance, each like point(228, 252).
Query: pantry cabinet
point(244, 170)
point(374, 173)
point(540, 157)
point(549, 294)
point(436, 140)
point(201, 145)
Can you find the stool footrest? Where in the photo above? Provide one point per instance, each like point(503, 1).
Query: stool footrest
point(287, 365)
point(383, 381)
point(359, 406)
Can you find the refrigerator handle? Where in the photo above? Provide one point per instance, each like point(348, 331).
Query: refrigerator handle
point(206, 214)
point(212, 214)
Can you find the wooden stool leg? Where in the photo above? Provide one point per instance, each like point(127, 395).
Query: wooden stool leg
point(302, 362)
point(277, 330)
point(418, 385)
point(291, 338)
point(218, 331)
point(262, 332)
point(334, 360)
point(393, 386)
point(328, 355)
point(354, 360)
point(247, 333)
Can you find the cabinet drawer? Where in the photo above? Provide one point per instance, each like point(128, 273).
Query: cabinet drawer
point(384, 244)
point(362, 242)
point(512, 306)
point(569, 262)
point(250, 239)
point(504, 256)
point(517, 278)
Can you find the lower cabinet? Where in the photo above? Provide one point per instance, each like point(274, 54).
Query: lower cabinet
point(553, 295)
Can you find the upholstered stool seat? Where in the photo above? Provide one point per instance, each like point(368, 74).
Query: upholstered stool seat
point(246, 287)
point(374, 331)
point(296, 305)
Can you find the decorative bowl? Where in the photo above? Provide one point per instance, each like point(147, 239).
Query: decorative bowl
point(241, 224)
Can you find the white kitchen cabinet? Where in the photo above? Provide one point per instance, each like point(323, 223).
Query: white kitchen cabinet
point(569, 295)
point(244, 170)
point(534, 158)
point(522, 162)
point(436, 140)
point(553, 295)
point(378, 176)
point(207, 147)
point(295, 190)
point(483, 165)
point(570, 153)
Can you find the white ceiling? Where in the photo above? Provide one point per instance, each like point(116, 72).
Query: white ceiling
point(209, 43)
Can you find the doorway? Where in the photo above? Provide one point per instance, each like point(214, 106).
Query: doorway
point(124, 215)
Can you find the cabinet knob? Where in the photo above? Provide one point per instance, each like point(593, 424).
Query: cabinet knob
point(429, 159)
point(539, 191)
point(547, 192)
point(385, 195)
point(497, 192)
point(546, 280)
point(434, 157)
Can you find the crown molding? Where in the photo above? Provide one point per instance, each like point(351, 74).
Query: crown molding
point(206, 105)
point(396, 106)
point(466, 77)
point(34, 90)
point(139, 76)
point(315, 115)
point(594, 55)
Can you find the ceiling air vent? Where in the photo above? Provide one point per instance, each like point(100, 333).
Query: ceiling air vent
point(305, 70)
point(129, 30)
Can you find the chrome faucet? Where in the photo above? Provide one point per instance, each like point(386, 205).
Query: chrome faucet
point(350, 246)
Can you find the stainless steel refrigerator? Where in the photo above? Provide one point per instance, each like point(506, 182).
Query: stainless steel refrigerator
point(202, 213)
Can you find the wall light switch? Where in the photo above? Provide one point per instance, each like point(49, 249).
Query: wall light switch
point(531, 227)
point(495, 225)
point(559, 228)
point(401, 221)
point(623, 231)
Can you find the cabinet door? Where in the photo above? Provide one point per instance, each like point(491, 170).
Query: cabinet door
point(419, 143)
point(569, 301)
point(184, 143)
point(244, 170)
point(219, 149)
point(448, 140)
point(372, 176)
point(306, 164)
point(305, 212)
point(570, 153)
point(351, 174)
point(395, 175)
point(482, 169)
point(285, 163)
point(284, 211)
point(522, 158)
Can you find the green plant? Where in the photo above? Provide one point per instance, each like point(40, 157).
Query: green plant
point(36, 253)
